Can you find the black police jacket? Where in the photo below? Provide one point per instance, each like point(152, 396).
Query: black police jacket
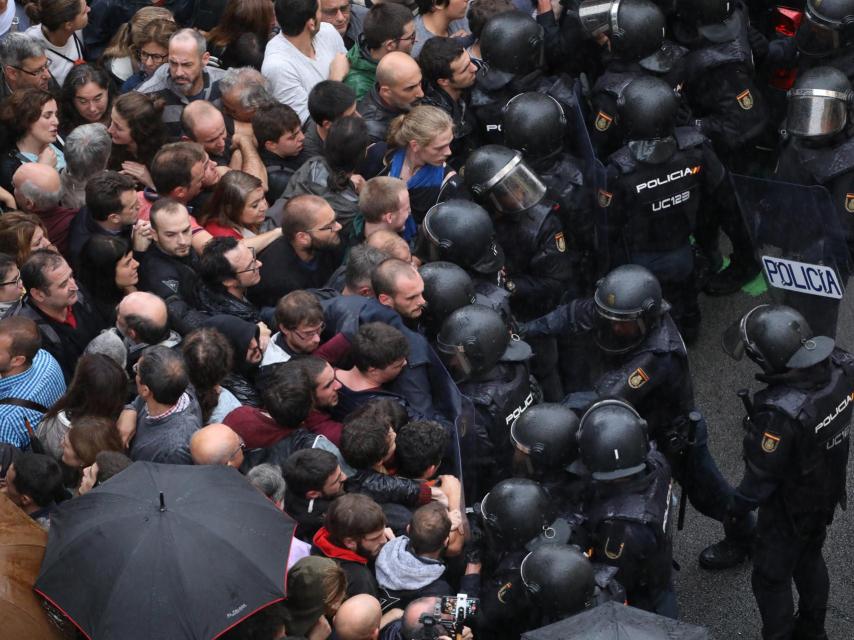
point(628, 527)
point(537, 260)
point(655, 207)
point(796, 443)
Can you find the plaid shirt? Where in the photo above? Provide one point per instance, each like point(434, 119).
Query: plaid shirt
point(42, 383)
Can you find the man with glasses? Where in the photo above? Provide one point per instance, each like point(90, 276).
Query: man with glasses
point(347, 17)
point(227, 269)
point(217, 444)
point(388, 27)
point(305, 256)
point(25, 65)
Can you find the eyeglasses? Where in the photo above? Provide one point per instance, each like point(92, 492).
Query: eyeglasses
point(327, 227)
point(142, 56)
point(308, 335)
point(240, 447)
point(344, 9)
point(16, 281)
point(253, 266)
point(40, 71)
point(409, 38)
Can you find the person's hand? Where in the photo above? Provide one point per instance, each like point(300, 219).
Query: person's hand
point(460, 33)
point(389, 534)
point(437, 495)
point(48, 157)
point(339, 67)
point(456, 519)
point(358, 182)
point(466, 635)
point(141, 235)
point(7, 199)
point(90, 477)
point(320, 631)
point(138, 172)
point(263, 335)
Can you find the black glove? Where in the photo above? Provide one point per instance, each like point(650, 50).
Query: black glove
point(684, 115)
point(758, 44)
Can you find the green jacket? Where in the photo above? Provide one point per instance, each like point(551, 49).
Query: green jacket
point(362, 72)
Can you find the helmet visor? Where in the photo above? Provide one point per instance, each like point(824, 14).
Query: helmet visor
point(599, 17)
point(732, 339)
point(515, 188)
point(814, 39)
point(816, 112)
point(618, 335)
point(455, 359)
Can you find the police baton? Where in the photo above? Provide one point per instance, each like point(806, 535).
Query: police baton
point(694, 418)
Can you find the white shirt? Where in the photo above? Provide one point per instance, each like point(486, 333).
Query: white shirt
point(292, 74)
point(61, 58)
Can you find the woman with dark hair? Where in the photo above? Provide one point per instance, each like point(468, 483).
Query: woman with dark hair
point(58, 26)
point(137, 131)
point(31, 119)
point(93, 371)
point(334, 175)
point(88, 436)
point(210, 357)
point(21, 234)
point(237, 207)
point(87, 97)
point(108, 272)
point(242, 33)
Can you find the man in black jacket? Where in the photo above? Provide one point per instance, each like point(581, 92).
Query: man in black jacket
point(314, 478)
point(227, 269)
point(396, 91)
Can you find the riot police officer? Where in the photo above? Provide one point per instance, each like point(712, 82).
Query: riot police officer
point(491, 368)
point(447, 287)
point(628, 508)
point(537, 263)
point(659, 184)
point(826, 36)
point(796, 454)
point(545, 446)
point(462, 232)
point(645, 363)
point(511, 44)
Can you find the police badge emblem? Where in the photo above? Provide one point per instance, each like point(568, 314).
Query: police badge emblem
point(745, 100)
point(603, 121)
point(770, 442)
point(849, 202)
point(560, 241)
point(638, 378)
point(603, 198)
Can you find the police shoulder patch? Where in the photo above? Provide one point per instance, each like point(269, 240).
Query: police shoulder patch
point(560, 241)
point(849, 202)
point(770, 442)
point(638, 378)
point(603, 121)
point(745, 100)
point(603, 198)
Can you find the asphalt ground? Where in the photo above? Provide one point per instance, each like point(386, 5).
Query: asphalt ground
point(723, 601)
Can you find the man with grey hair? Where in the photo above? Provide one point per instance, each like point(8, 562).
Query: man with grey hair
point(87, 151)
point(267, 478)
point(184, 78)
point(37, 191)
point(244, 90)
point(24, 65)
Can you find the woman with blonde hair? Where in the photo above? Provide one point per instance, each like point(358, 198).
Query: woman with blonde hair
point(123, 55)
point(419, 146)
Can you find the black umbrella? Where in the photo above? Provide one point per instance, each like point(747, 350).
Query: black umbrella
point(167, 552)
point(612, 621)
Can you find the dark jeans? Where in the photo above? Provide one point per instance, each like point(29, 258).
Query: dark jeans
point(779, 557)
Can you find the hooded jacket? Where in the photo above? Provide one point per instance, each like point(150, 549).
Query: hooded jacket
point(363, 70)
point(241, 380)
point(360, 579)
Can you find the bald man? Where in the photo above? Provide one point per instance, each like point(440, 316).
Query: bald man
point(391, 244)
point(410, 626)
point(397, 89)
point(358, 618)
point(37, 189)
point(217, 444)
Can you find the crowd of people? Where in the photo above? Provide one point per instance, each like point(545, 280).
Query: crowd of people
point(423, 273)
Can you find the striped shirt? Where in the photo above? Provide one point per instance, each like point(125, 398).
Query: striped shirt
point(42, 383)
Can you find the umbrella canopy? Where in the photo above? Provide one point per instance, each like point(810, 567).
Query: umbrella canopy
point(612, 621)
point(166, 552)
point(22, 544)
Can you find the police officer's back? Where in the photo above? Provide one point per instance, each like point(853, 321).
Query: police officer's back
point(796, 454)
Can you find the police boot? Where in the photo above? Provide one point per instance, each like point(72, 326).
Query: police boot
point(725, 554)
point(731, 279)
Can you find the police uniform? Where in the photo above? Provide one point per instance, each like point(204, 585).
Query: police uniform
point(796, 454)
point(628, 526)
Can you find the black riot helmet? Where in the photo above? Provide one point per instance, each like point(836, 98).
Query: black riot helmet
point(500, 179)
point(635, 28)
point(447, 287)
point(511, 44)
point(474, 338)
point(818, 103)
point(777, 338)
point(612, 440)
point(546, 432)
point(461, 232)
point(829, 26)
point(647, 108)
point(704, 12)
point(534, 124)
point(628, 305)
point(515, 511)
point(559, 578)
